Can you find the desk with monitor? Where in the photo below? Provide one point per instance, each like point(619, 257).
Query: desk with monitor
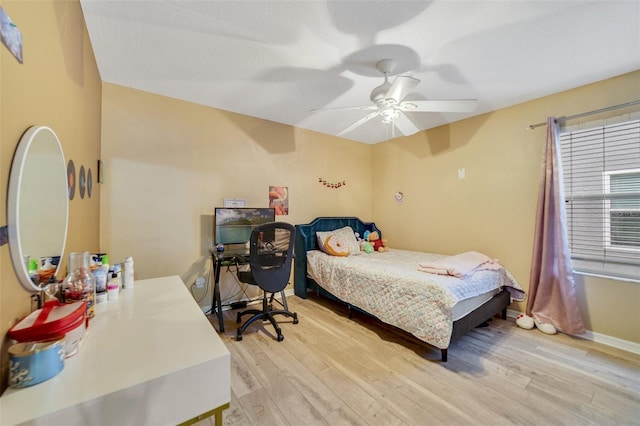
point(224, 258)
point(232, 230)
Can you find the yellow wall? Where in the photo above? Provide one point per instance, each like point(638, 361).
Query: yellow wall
point(168, 163)
point(58, 86)
point(492, 210)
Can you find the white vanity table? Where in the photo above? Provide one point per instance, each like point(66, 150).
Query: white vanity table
point(150, 357)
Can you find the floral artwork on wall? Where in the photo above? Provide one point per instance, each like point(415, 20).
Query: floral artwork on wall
point(279, 199)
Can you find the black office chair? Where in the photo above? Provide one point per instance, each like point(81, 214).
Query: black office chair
point(270, 260)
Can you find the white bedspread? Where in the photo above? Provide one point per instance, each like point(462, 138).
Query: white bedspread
point(389, 286)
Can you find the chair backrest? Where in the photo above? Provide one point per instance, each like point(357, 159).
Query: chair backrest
point(271, 255)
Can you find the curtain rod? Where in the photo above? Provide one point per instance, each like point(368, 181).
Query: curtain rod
point(584, 114)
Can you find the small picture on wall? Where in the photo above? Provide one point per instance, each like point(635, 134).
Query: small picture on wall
point(100, 171)
point(234, 202)
point(279, 199)
point(10, 35)
point(71, 179)
point(89, 183)
point(82, 182)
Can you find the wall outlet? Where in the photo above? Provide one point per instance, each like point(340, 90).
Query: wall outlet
point(461, 173)
point(199, 282)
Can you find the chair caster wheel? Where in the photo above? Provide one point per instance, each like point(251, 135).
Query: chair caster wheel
point(280, 337)
point(295, 319)
point(239, 337)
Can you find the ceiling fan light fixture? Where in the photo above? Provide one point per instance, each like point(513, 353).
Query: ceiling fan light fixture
point(389, 114)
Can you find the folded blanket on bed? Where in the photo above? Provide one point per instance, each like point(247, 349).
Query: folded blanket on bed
point(459, 265)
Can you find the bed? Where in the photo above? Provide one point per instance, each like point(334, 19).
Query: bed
point(436, 309)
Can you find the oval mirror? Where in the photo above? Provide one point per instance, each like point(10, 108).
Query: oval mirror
point(37, 204)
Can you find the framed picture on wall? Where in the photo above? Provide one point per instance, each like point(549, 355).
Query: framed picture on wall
point(279, 199)
point(234, 202)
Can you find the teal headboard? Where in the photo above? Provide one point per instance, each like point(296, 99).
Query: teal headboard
point(306, 240)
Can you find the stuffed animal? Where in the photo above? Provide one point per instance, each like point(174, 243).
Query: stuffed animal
point(379, 244)
point(366, 246)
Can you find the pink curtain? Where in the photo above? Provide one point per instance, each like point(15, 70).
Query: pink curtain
point(552, 295)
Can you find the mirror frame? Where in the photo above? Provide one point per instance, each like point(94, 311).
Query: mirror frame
point(25, 145)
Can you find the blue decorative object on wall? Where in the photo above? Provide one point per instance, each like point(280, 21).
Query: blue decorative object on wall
point(71, 179)
point(82, 182)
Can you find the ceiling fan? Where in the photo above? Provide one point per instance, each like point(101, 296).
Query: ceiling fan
point(389, 104)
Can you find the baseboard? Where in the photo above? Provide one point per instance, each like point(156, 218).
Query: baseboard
point(207, 308)
point(614, 342)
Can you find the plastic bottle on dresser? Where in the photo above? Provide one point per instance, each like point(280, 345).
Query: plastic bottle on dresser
point(127, 273)
point(33, 271)
point(105, 263)
point(105, 267)
point(100, 276)
point(113, 285)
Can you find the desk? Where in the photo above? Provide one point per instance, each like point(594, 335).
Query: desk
point(218, 258)
point(148, 358)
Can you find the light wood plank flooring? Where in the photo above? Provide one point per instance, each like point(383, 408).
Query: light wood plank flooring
point(331, 370)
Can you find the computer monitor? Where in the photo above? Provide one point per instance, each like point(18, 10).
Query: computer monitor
point(234, 225)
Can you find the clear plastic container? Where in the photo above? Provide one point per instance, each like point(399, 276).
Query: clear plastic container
point(80, 284)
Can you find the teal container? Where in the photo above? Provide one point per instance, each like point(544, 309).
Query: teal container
point(31, 363)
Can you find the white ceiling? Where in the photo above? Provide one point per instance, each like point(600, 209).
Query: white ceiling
point(278, 60)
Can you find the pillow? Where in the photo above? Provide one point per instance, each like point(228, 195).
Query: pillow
point(347, 236)
point(335, 246)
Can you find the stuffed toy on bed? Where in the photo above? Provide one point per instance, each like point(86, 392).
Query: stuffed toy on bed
point(366, 246)
point(379, 244)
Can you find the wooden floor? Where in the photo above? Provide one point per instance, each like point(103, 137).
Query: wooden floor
point(331, 370)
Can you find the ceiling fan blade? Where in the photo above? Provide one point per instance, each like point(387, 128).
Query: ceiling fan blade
point(400, 87)
point(439, 105)
point(362, 108)
point(405, 125)
point(359, 122)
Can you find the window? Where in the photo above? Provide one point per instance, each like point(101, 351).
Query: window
point(622, 215)
point(601, 167)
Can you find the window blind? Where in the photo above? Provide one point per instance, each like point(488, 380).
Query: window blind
point(601, 171)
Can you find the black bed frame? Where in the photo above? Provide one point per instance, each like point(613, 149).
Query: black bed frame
point(306, 240)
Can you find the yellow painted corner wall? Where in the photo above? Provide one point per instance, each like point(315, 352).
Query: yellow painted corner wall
point(168, 163)
point(492, 209)
point(58, 85)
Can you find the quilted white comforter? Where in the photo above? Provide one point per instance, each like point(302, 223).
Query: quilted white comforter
point(389, 286)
